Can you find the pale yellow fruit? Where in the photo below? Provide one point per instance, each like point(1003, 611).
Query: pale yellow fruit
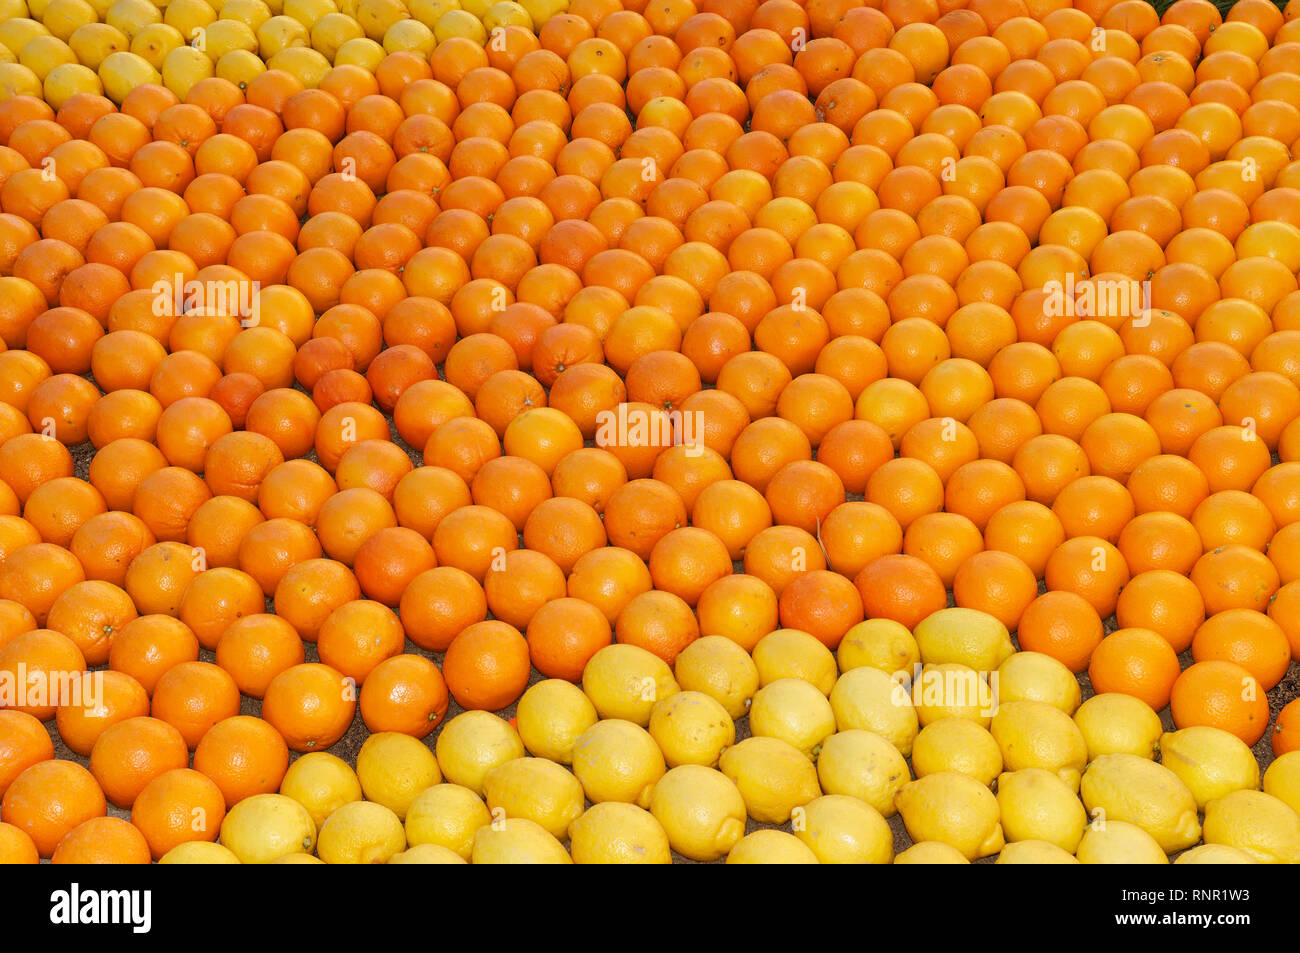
point(307, 12)
point(1124, 787)
point(863, 765)
point(844, 830)
point(63, 17)
point(539, 11)
point(361, 832)
point(966, 636)
point(68, 80)
point(794, 711)
point(265, 826)
point(1034, 852)
point(931, 852)
point(123, 72)
point(517, 840)
point(701, 811)
point(13, 9)
point(507, 13)
point(537, 789)
point(792, 653)
point(226, 36)
point(41, 54)
point(14, 34)
point(1210, 761)
point(721, 669)
point(409, 35)
point(616, 760)
point(322, 783)
point(304, 63)
point(132, 16)
point(333, 30)
point(186, 16)
point(446, 815)
point(360, 52)
point(427, 854)
point(771, 847)
point(1118, 842)
point(1035, 677)
point(1038, 735)
point(616, 833)
point(459, 23)
point(625, 681)
point(476, 8)
point(428, 11)
point(183, 67)
point(951, 690)
point(772, 776)
point(691, 728)
point(551, 717)
point(298, 857)
point(94, 41)
point(240, 67)
point(953, 808)
point(155, 41)
point(1282, 779)
point(955, 744)
point(18, 80)
point(472, 744)
point(393, 768)
point(280, 33)
point(199, 852)
point(867, 698)
point(1259, 824)
point(1035, 805)
point(6, 56)
point(251, 13)
point(376, 16)
point(879, 643)
point(1115, 723)
point(1214, 854)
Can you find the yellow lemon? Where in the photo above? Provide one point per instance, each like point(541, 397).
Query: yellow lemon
point(132, 16)
point(322, 783)
point(226, 36)
point(721, 669)
point(867, 698)
point(691, 728)
point(791, 653)
point(199, 852)
point(333, 30)
point(701, 811)
point(1039, 735)
point(1210, 761)
point(94, 41)
point(298, 857)
point(360, 52)
point(1034, 852)
point(15, 33)
point(771, 847)
point(428, 11)
point(263, 827)
point(625, 681)
point(952, 690)
point(427, 854)
point(1036, 805)
point(1124, 787)
point(409, 35)
point(1214, 854)
point(878, 643)
point(794, 711)
point(863, 765)
point(616, 833)
point(517, 840)
point(277, 34)
point(1035, 677)
point(952, 808)
point(446, 815)
point(616, 760)
point(1282, 779)
point(251, 13)
point(537, 789)
point(122, 72)
point(1118, 842)
point(361, 832)
point(307, 12)
point(931, 852)
point(772, 776)
point(551, 717)
point(1115, 723)
point(393, 768)
point(41, 54)
point(459, 23)
point(539, 11)
point(1259, 824)
point(303, 62)
point(955, 744)
point(966, 636)
point(68, 80)
point(18, 80)
point(63, 17)
point(186, 16)
point(240, 67)
point(155, 41)
point(844, 830)
point(376, 16)
point(472, 744)
point(183, 67)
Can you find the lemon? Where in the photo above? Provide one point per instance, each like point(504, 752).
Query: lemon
point(361, 832)
point(265, 826)
point(771, 847)
point(226, 36)
point(1259, 824)
point(506, 13)
point(551, 717)
point(154, 42)
point(1210, 761)
point(472, 744)
point(308, 66)
point(14, 34)
point(1118, 842)
point(122, 72)
point(879, 643)
point(701, 810)
point(476, 8)
point(1038, 735)
point(18, 80)
point(307, 12)
point(955, 744)
point(198, 852)
point(1124, 787)
point(517, 840)
point(616, 833)
point(537, 789)
point(251, 13)
point(616, 760)
point(867, 698)
point(240, 67)
point(41, 54)
point(953, 808)
point(1034, 852)
point(376, 16)
point(446, 815)
point(844, 830)
point(721, 669)
point(132, 16)
point(625, 681)
point(691, 728)
point(183, 67)
point(13, 9)
point(277, 34)
point(1115, 723)
point(409, 35)
point(428, 11)
point(1214, 854)
point(322, 783)
point(94, 41)
point(792, 653)
point(966, 636)
point(187, 16)
point(460, 23)
point(931, 852)
point(794, 711)
point(68, 80)
point(1035, 677)
point(63, 17)
point(427, 854)
point(331, 31)
point(1036, 805)
point(952, 690)
point(298, 857)
point(393, 768)
point(360, 52)
point(7, 57)
point(773, 777)
point(865, 766)
point(539, 11)
point(1282, 779)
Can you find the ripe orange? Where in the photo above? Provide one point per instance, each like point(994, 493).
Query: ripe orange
point(486, 666)
point(1135, 662)
point(1220, 694)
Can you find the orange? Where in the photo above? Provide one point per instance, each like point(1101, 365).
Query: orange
point(404, 693)
point(659, 622)
point(486, 666)
point(310, 705)
point(177, 807)
point(49, 799)
point(1135, 662)
point(900, 587)
point(1283, 738)
point(131, 753)
point(1220, 694)
point(1063, 625)
point(193, 696)
point(438, 604)
point(822, 603)
point(243, 756)
point(23, 743)
point(1235, 577)
point(1165, 602)
point(739, 607)
point(102, 840)
point(1250, 639)
point(563, 635)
